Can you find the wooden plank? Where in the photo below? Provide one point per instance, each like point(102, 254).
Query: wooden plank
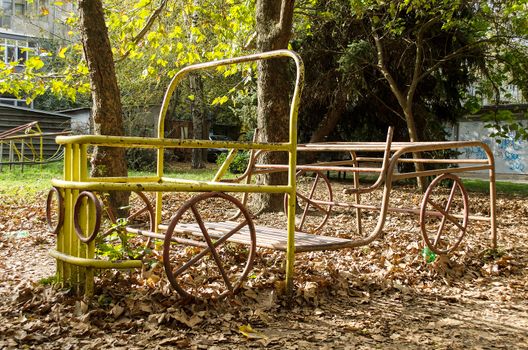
point(267, 237)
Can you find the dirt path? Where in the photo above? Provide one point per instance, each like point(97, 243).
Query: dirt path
point(381, 296)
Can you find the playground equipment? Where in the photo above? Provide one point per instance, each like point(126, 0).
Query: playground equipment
point(24, 145)
point(443, 214)
point(75, 209)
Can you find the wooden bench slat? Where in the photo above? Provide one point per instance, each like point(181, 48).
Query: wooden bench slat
point(267, 237)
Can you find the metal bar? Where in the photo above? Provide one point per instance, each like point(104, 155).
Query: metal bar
point(443, 161)
point(122, 179)
point(357, 195)
point(150, 142)
point(74, 240)
point(414, 211)
point(438, 172)
point(11, 154)
point(317, 167)
point(30, 136)
point(96, 263)
point(22, 151)
point(174, 185)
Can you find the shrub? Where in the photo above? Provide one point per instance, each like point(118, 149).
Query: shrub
point(239, 164)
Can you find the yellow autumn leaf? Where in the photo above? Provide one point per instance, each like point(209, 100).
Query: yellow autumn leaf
point(249, 332)
point(62, 52)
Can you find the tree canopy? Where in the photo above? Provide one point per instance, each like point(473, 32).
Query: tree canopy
point(397, 62)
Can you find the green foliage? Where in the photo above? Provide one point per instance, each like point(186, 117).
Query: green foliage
point(49, 281)
point(504, 125)
point(151, 41)
point(509, 188)
point(140, 159)
point(116, 245)
point(463, 44)
point(428, 255)
point(244, 107)
point(239, 164)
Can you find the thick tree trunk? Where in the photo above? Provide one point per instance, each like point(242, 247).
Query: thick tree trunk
point(274, 23)
point(107, 110)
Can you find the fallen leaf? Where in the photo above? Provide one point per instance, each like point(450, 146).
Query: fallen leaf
point(250, 333)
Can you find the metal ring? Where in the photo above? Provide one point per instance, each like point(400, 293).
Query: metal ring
point(60, 204)
point(98, 211)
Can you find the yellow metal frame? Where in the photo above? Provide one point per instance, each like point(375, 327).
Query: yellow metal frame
point(76, 260)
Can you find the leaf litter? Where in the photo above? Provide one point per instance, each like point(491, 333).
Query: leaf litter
point(381, 295)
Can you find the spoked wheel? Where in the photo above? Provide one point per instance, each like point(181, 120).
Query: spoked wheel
point(314, 192)
point(140, 212)
point(444, 214)
point(140, 217)
point(199, 260)
point(105, 222)
point(54, 210)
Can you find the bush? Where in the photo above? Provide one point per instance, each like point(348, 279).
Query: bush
point(239, 164)
point(140, 159)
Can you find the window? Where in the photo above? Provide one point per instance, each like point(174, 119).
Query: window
point(16, 50)
point(20, 9)
point(7, 5)
point(15, 102)
point(16, 7)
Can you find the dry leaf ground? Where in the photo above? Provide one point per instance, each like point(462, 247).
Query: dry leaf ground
point(380, 296)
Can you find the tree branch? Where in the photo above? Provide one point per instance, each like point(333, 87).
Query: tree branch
point(416, 77)
point(454, 54)
point(150, 22)
point(386, 74)
point(285, 21)
point(389, 107)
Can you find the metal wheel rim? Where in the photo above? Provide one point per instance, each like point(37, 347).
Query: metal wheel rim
point(330, 198)
point(170, 231)
point(60, 204)
point(457, 183)
point(98, 211)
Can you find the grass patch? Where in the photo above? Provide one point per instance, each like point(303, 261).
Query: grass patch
point(34, 179)
point(31, 180)
point(472, 185)
point(509, 188)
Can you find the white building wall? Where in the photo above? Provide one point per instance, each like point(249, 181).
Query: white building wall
point(511, 156)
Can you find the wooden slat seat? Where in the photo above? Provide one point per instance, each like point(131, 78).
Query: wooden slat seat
point(267, 237)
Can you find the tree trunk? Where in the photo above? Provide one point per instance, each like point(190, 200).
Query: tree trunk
point(107, 112)
point(404, 102)
point(274, 24)
point(413, 137)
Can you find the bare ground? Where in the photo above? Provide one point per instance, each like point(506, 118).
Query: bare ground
point(381, 296)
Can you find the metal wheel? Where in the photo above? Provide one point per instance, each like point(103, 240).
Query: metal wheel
point(140, 217)
point(140, 212)
point(54, 200)
point(199, 260)
point(91, 200)
point(314, 193)
point(444, 214)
